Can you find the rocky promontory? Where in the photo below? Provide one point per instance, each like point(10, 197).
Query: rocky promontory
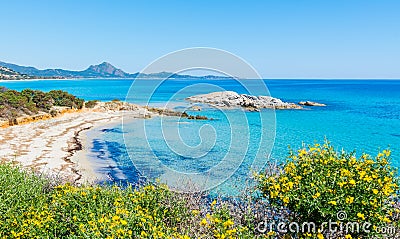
point(231, 99)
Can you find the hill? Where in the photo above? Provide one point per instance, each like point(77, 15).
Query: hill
point(8, 74)
point(103, 70)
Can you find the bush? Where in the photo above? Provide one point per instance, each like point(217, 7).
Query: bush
point(28, 102)
point(20, 193)
point(30, 208)
point(317, 184)
point(91, 103)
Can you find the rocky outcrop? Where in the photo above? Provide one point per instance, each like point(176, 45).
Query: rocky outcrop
point(230, 99)
point(310, 103)
point(115, 106)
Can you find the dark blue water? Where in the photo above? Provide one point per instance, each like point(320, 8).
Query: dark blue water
point(360, 114)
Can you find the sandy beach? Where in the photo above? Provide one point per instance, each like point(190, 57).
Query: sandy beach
point(50, 146)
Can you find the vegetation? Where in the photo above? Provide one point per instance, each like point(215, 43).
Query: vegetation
point(91, 103)
point(28, 102)
point(320, 185)
point(313, 185)
point(41, 210)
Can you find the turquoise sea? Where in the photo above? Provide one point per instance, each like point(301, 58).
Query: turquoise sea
point(361, 114)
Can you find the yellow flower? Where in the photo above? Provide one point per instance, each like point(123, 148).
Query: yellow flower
point(320, 236)
point(195, 212)
point(213, 203)
point(290, 185)
point(348, 236)
point(349, 200)
point(228, 223)
point(352, 182)
point(332, 203)
point(387, 152)
point(317, 195)
point(203, 222)
point(286, 200)
point(302, 152)
point(361, 215)
point(375, 191)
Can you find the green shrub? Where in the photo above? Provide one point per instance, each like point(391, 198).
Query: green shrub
point(317, 183)
point(20, 193)
point(91, 103)
point(28, 102)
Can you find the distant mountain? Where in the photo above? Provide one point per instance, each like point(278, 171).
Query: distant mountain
point(103, 70)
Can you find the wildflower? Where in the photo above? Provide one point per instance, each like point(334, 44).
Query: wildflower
point(350, 200)
point(386, 152)
point(203, 222)
point(348, 236)
point(332, 203)
point(352, 182)
point(375, 191)
point(195, 212)
point(320, 236)
point(317, 195)
point(361, 215)
point(228, 223)
point(286, 200)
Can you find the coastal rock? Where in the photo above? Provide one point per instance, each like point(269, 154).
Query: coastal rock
point(311, 103)
point(231, 99)
point(115, 106)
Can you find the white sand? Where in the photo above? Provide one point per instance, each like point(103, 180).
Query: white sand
point(46, 146)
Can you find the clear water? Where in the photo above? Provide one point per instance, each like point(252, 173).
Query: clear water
point(361, 114)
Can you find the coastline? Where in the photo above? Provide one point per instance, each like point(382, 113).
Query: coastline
point(86, 164)
point(56, 146)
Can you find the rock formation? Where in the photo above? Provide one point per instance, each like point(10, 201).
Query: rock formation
point(230, 99)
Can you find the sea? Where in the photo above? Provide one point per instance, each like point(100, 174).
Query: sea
point(222, 153)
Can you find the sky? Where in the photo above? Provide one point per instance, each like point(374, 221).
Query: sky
point(307, 39)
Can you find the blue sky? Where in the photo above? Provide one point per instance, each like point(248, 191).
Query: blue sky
point(280, 38)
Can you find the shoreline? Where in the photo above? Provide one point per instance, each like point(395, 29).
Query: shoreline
point(86, 165)
point(58, 146)
point(55, 146)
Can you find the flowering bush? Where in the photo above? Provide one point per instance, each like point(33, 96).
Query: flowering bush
point(219, 223)
point(31, 207)
point(318, 184)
